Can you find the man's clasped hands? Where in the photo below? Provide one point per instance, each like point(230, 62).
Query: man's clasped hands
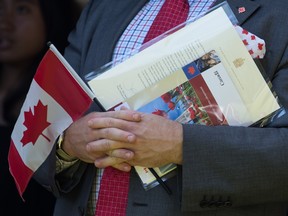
point(123, 139)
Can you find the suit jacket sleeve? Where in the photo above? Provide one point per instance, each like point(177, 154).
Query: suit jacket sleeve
point(244, 166)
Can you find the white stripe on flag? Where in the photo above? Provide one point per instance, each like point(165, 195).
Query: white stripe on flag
point(33, 155)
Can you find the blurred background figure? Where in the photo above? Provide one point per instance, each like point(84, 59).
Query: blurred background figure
point(25, 29)
point(81, 3)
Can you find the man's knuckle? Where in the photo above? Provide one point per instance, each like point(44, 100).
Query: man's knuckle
point(107, 144)
point(109, 123)
point(107, 132)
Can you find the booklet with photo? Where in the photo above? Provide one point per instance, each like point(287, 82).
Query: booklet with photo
point(200, 74)
point(203, 94)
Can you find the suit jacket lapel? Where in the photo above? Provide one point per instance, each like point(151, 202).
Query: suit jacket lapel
point(250, 8)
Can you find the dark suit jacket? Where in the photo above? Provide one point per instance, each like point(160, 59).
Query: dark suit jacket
point(227, 171)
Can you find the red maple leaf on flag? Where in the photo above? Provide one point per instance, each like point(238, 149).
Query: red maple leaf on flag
point(39, 119)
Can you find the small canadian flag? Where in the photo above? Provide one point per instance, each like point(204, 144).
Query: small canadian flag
point(57, 97)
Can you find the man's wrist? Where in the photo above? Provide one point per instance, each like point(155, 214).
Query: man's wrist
point(60, 151)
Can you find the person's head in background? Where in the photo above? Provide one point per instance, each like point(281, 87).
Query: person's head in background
point(25, 28)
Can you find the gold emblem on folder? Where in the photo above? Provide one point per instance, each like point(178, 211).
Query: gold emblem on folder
point(238, 62)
